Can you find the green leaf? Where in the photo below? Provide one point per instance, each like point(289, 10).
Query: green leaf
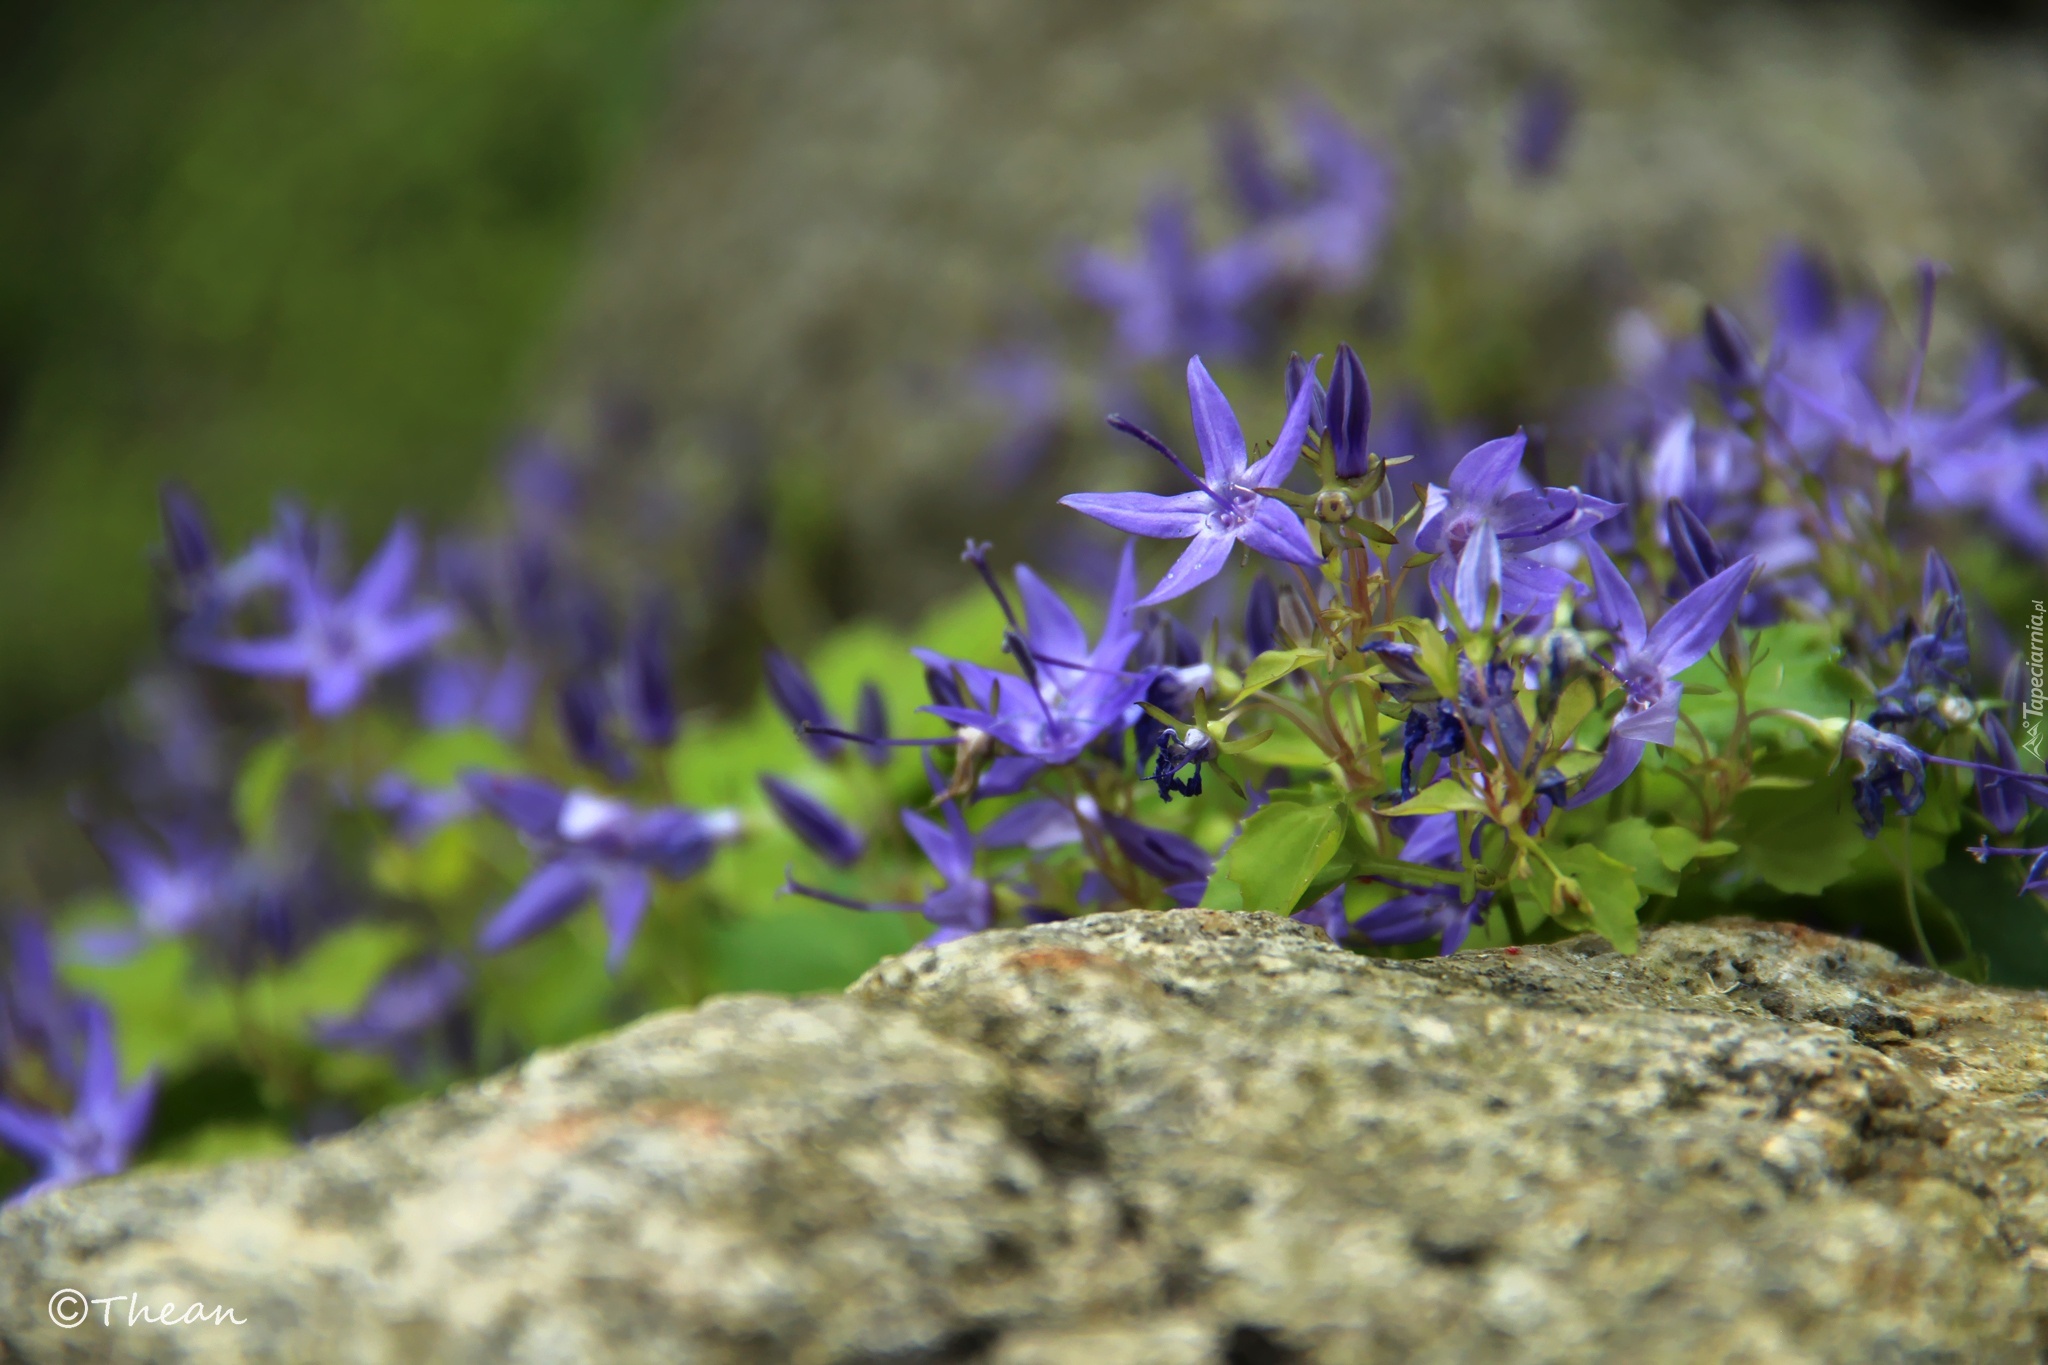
point(1801, 842)
point(1435, 656)
point(165, 1013)
point(1223, 894)
point(1437, 798)
point(1606, 895)
point(1247, 743)
point(440, 757)
point(1274, 665)
point(1280, 851)
point(1648, 852)
point(261, 786)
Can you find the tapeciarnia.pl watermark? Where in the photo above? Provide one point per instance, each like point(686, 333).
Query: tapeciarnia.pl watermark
point(69, 1308)
point(2031, 708)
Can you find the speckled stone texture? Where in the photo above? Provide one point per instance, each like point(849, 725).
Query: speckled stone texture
point(1155, 1139)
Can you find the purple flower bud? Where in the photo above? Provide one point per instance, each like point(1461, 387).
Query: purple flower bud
point(941, 687)
point(650, 700)
point(1300, 372)
point(2001, 797)
point(585, 713)
point(186, 537)
point(1349, 411)
point(1729, 346)
point(796, 696)
point(1699, 559)
point(1261, 616)
point(810, 820)
point(1542, 125)
point(871, 718)
point(1802, 292)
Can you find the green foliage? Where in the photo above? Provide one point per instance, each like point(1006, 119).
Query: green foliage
point(265, 247)
point(1282, 848)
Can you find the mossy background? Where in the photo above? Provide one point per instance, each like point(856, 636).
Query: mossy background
point(265, 247)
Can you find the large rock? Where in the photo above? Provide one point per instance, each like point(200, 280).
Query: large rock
point(1156, 1139)
point(843, 202)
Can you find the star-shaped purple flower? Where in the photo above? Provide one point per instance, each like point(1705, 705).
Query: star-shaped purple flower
point(106, 1123)
point(1172, 299)
point(1651, 658)
point(1485, 534)
point(339, 644)
point(592, 846)
point(1069, 693)
point(1226, 509)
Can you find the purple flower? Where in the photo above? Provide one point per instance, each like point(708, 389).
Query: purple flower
point(650, 698)
point(592, 846)
point(1173, 300)
point(1181, 865)
point(1859, 419)
point(2000, 474)
point(1069, 693)
point(469, 691)
point(2000, 796)
point(1484, 533)
point(1323, 231)
point(1327, 914)
point(412, 999)
point(871, 718)
point(1649, 660)
point(961, 904)
point(178, 885)
point(812, 821)
point(1542, 124)
point(106, 1122)
point(417, 811)
point(1348, 409)
point(1426, 912)
point(1226, 509)
point(1887, 768)
point(339, 644)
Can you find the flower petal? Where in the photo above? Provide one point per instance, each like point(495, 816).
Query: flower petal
point(1615, 601)
point(1200, 562)
point(1482, 476)
point(1279, 462)
point(1277, 533)
point(1216, 429)
point(626, 895)
point(1054, 629)
point(1161, 516)
point(952, 856)
point(1616, 764)
point(546, 899)
point(1685, 633)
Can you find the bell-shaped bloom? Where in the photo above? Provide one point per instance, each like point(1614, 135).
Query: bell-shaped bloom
point(340, 644)
point(1484, 533)
point(1069, 693)
point(104, 1126)
point(592, 847)
point(1226, 509)
point(1649, 659)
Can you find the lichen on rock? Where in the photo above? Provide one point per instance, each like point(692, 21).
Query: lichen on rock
point(1189, 1136)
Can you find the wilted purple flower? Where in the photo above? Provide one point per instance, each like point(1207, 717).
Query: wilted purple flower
point(1649, 660)
point(592, 846)
point(106, 1123)
point(1173, 300)
point(413, 998)
point(812, 821)
point(1485, 534)
point(1887, 767)
point(1068, 694)
point(340, 644)
point(796, 696)
point(1226, 509)
point(1937, 662)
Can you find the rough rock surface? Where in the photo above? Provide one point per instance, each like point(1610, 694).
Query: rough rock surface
point(1156, 1139)
point(844, 202)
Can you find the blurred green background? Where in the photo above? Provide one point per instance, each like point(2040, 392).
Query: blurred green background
point(265, 247)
